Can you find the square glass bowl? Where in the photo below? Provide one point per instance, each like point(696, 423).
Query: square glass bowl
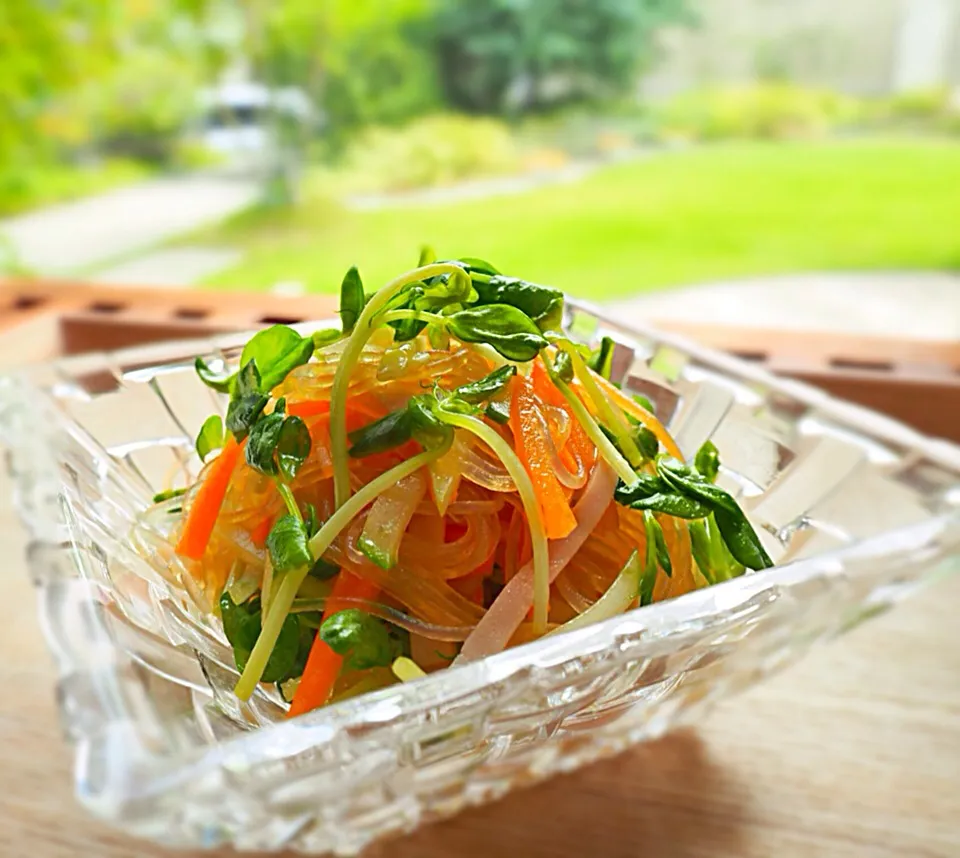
point(855, 508)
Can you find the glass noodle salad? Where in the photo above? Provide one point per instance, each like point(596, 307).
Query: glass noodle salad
point(444, 476)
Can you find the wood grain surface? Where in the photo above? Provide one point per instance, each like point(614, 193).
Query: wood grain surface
point(854, 752)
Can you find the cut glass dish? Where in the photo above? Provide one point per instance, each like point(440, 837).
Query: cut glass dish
point(856, 510)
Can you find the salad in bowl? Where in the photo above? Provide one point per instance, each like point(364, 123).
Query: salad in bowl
point(445, 475)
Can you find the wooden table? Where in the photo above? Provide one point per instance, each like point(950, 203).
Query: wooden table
point(854, 752)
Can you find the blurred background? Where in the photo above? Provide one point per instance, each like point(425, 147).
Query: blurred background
point(609, 147)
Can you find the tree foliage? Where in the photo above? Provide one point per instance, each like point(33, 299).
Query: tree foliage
point(535, 52)
point(76, 71)
point(367, 62)
point(45, 54)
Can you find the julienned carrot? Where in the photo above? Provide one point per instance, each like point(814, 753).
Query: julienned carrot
point(259, 534)
point(356, 408)
point(309, 408)
point(532, 448)
point(578, 444)
point(323, 664)
point(205, 507)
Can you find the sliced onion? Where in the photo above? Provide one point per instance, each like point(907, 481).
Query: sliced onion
point(388, 519)
point(445, 478)
point(575, 599)
point(508, 610)
point(618, 598)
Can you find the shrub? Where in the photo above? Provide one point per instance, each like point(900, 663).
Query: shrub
point(766, 110)
point(435, 150)
point(918, 104)
point(383, 78)
point(593, 131)
point(140, 110)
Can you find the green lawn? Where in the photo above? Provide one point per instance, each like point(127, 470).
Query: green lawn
point(674, 218)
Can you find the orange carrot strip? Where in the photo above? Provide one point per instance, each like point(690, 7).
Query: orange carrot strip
point(205, 508)
point(578, 443)
point(356, 407)
point(309, 408)
point(543, 386)
point(259, 534)
point(532, 448)
point(323, 664)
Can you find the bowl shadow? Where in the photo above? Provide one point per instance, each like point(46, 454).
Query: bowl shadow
point(665, 798)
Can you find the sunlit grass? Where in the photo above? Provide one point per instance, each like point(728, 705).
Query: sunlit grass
point(673, 218)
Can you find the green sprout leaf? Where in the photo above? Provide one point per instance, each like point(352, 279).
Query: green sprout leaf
point(427, 255)
point(738, 534)
point(649, 579)
point(707, 461)
point(277, 350)
point(220, 383)
point(479, 266)
point(700, 545)
point(242, 625)
point(663, 555)
point(288, 544)
point(447, 291)
point(262, 443)
point(644, 486)
point(691, 483)
point(323, 571)
point(325, 337)
point(351, 299)
point(210, 437)
point(503, 327)
point(672, 503)
point(539, 303)
point(741, 539)
point(293, 446)
point(425, 426)
point(246, 402)
point(646, 442)
point(169, 494)
point(381, 435)
point(439, 337)
point(601, 361)
point(498, 410)
point(362, 640)
point(490, 385)
point(563, 367)
point(417, 420)
point(644, 403)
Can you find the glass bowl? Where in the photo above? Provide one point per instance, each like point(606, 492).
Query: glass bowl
point(855, 508)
